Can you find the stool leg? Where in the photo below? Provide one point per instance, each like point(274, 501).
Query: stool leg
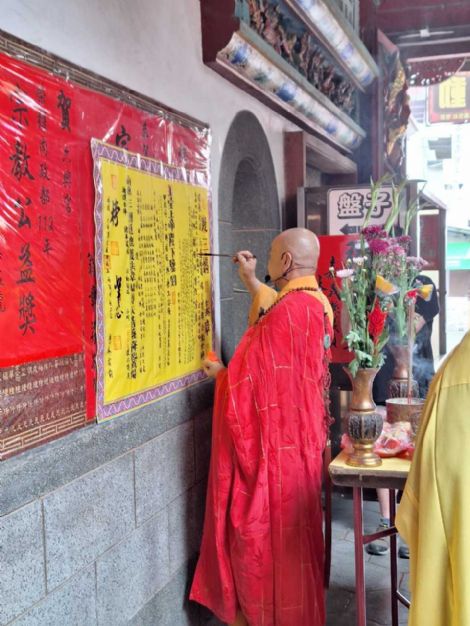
point(393, 561)
point(359, 558)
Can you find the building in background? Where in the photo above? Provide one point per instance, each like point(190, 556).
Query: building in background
point(438, 151)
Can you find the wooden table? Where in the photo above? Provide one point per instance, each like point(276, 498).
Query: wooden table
point(390, 475)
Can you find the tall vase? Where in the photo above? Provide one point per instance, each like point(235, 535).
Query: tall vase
point(398, 385)
point(364, 422)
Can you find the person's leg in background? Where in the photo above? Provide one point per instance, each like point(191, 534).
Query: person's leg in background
point(381, 546)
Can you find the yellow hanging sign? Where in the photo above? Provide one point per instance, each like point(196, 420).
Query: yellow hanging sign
point(155, 287)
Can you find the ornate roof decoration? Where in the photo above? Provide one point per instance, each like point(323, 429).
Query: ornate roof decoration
point(325, 19)
point(301, 51)
point(273, 50)
point(315, 108)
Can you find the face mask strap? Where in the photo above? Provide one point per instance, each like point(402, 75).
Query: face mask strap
point(268, 279)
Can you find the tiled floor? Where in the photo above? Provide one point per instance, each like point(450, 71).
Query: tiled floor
point(341, 610)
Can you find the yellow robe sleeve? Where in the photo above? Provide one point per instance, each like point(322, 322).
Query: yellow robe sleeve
point(435, 508)
point(326, 306)
point(264, 298)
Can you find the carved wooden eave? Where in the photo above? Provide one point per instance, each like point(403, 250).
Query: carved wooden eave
point(236, 51)
point(325, 20)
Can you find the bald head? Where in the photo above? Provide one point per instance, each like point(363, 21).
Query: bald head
point(302, 244)
point(295, 250)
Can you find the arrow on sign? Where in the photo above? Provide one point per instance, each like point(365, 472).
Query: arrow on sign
point(350, 230)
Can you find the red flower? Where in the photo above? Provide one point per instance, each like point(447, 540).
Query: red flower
point(412, 294)
point(376, 320)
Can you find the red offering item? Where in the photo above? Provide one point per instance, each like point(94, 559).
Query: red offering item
point(395, 440)
point(211, 356)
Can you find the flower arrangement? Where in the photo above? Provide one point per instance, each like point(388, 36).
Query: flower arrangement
point(390, 258)
point(367, 309)
point(378, 283)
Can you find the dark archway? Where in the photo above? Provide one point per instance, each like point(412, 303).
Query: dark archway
point(249, 216)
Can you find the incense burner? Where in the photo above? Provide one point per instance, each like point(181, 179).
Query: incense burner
point(405, 410)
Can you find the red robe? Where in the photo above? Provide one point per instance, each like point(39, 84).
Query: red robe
point(262, 548)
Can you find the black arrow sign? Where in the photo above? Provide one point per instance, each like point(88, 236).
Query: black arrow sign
point(350, 230)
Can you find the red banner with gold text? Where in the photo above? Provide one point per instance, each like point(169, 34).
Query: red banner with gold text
point(47, 265)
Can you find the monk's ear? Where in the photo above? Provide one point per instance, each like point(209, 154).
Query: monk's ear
point(286, 260)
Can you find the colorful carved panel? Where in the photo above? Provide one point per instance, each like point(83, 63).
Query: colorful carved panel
point(396, 108)
point(338, 38)
point(299, 57)
point(301, 51)
point(316, 109)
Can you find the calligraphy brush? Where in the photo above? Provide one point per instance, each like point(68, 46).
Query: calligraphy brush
point(230, 256)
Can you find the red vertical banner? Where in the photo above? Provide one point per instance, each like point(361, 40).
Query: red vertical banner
point(41, 314)
point(334, 250)
point(47, 258)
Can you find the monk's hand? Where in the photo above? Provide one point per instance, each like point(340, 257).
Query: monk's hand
point(419, 322)
point(247, 270)
point(212, 368)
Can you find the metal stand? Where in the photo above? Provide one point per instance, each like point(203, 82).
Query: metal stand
point(360, 540)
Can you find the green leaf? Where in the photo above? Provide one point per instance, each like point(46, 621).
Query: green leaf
point(397, 191)
point(375, 188)
point(363, 357)
point(378, 360)
point(354, 366)
point(369, 344)
point(352, 336)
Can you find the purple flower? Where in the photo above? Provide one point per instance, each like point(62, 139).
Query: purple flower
point(373, 232)
point(403, 240)
point(379, 246)
point(416, 262)
point(396, 250)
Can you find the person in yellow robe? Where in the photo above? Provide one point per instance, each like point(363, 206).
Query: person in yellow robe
point(434, 513)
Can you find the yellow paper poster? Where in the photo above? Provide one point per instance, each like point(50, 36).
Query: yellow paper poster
point(154, 307)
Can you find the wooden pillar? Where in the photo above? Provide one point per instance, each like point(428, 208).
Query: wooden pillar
point(295, 173)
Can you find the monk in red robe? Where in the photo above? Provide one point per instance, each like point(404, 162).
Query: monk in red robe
point(261, 560)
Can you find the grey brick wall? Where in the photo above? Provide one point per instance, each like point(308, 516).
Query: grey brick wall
point(102, 527)
point(249, 217)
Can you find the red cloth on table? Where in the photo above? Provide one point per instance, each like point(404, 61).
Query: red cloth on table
point(262, 548)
